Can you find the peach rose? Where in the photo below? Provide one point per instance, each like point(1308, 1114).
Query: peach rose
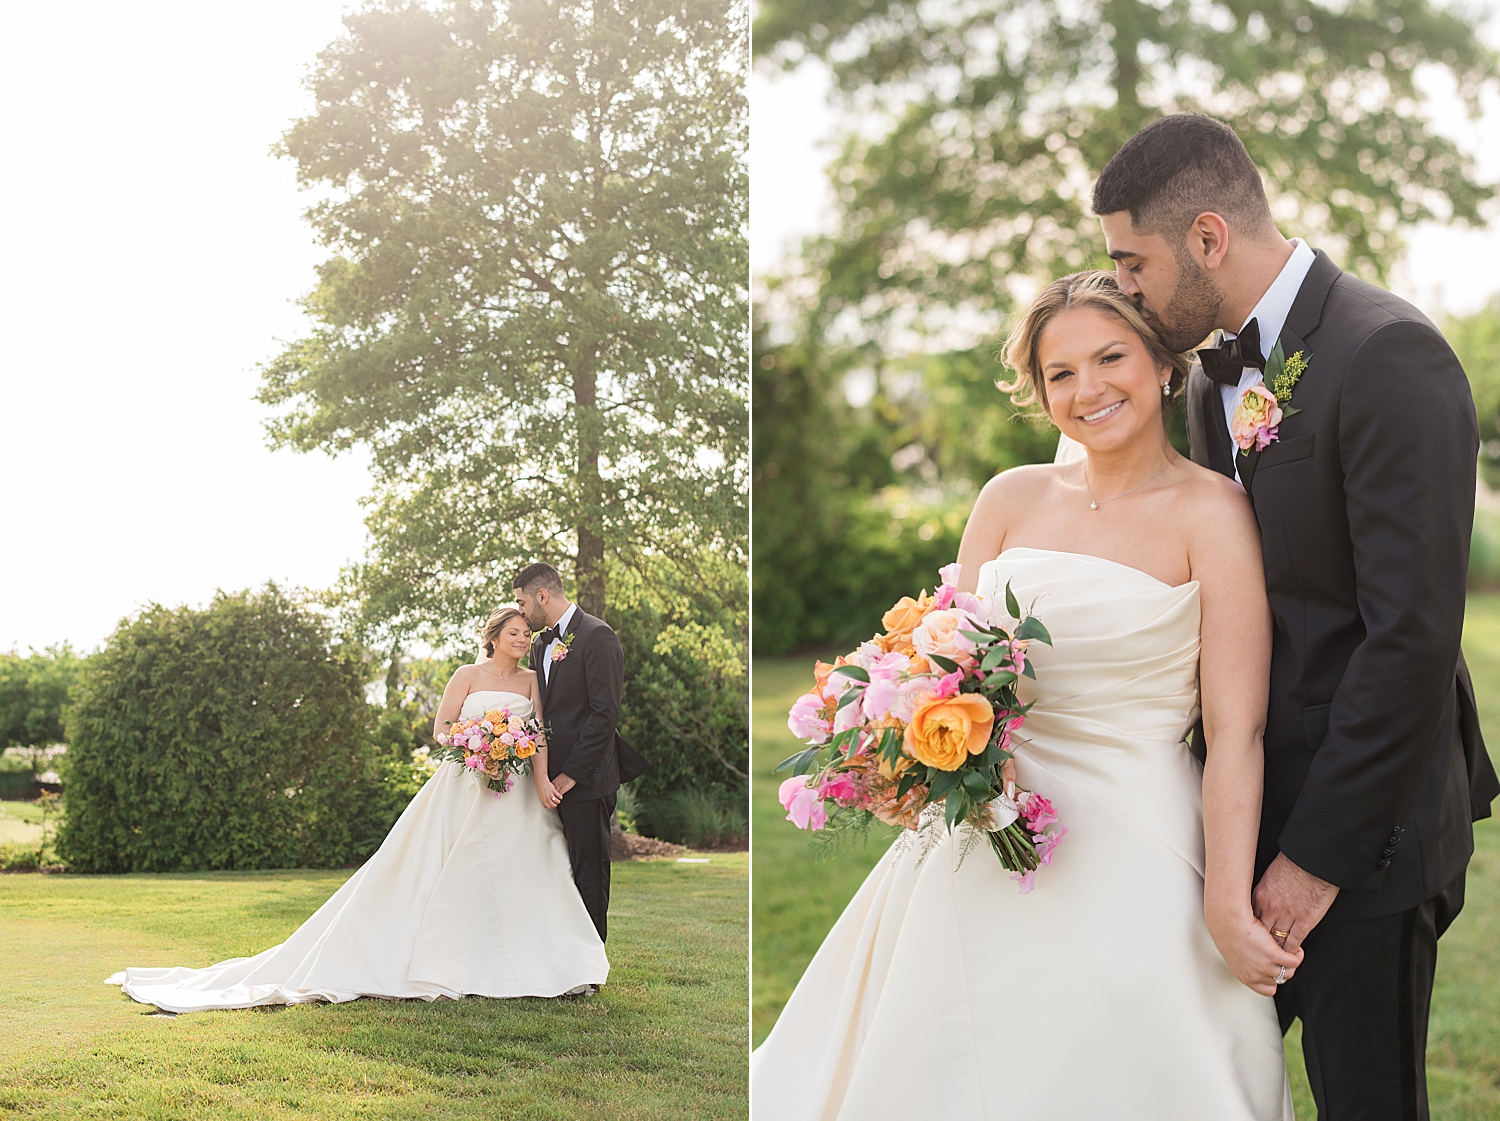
point(938, 634)
point(945, 731)
point(902, 619)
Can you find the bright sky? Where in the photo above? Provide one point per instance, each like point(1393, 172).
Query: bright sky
point(153, 251)
point(1445, 269)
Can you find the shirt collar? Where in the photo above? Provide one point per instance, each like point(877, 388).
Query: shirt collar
point(1274, 307)
point(562, 623)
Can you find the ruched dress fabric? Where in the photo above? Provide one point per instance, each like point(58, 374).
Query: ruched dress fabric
point(470, 894)
point(943, 992)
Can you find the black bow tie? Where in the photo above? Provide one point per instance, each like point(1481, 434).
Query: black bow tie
point(1226, 363)
point(548, 635)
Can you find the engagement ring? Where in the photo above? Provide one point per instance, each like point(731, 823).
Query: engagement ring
point(1281, 976)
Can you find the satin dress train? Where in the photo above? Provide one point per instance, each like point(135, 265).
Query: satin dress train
point(470, 894)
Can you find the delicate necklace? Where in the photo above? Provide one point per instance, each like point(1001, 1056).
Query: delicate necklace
point(1094, 505)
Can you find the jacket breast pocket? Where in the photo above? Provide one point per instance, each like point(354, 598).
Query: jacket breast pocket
point(1315, 725)
point(1285, 451)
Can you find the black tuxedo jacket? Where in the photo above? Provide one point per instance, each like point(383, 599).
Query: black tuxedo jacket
point(1375, 767)
point(581, 706)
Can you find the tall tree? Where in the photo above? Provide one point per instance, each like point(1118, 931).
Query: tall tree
point(535, 314)
point(981, 124)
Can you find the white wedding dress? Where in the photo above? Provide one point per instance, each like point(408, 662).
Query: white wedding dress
point(470, 894)
point(943, 992)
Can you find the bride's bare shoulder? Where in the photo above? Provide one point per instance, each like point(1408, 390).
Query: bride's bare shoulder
point(1017, 485)
point(1217, 510)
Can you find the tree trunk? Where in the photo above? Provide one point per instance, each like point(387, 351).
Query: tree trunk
point(1127, 18)
point(589, 567)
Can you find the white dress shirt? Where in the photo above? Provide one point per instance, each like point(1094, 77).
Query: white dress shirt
point(1270, 316)
point(562, 626)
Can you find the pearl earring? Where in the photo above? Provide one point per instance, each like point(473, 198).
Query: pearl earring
point(1166, 390)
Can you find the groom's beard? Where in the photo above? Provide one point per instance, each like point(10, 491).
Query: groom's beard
point(1193, 311)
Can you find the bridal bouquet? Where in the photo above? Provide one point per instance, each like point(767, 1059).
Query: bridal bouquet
point(494, 745)
point(921, 715)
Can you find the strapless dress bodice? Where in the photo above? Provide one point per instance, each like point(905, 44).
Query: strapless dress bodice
point(482, 700)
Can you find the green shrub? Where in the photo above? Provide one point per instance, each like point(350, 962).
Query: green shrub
point(697, 818)
point(233, 737)
point(685, 700)
point(1484, 552)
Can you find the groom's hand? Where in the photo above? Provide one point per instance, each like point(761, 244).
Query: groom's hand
point(562, 784)
point(1289, 899)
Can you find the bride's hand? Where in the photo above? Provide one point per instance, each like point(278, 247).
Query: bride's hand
point(1253, 956)
point(547, 793)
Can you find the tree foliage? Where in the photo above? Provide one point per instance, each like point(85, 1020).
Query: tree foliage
point(534, 315)
point(1475, 338)
point(982, 123)
point(236, 736)
point(33, 695)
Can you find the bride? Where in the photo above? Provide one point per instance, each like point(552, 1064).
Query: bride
point(470, 894)
point(1135, 982)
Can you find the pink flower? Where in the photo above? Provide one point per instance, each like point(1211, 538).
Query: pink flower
point(944, 597)
point(839, 787)
point(939, 634)
point(804, 808)
point(947, 685)
point(950, 573)
point(1255, 418)
point(879, 696)
point(1037, 811)
point(850, 716)
point(1027, 881)
point(1046, 842)
point(806, 720)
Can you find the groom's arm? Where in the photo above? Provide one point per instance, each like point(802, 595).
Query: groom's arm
point(1408, 442)
point(604, 671)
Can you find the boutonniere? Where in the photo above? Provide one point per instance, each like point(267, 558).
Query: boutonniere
point(560, 651)
point(1257, 418)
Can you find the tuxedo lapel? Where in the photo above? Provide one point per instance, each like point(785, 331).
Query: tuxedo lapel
point(1303, 318)
point(537, 649)
point(1216, 430)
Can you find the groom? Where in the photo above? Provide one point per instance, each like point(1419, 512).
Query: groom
point(1374, 765)
point(580, 669)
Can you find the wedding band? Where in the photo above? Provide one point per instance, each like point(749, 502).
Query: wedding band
point(1280, 933)
point(1281, 977)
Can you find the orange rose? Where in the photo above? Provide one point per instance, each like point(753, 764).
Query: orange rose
point(902, 619)
point(945, 731)
point(525, 751)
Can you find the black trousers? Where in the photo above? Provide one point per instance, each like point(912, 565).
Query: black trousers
point(586, 828)
point(1363, 995)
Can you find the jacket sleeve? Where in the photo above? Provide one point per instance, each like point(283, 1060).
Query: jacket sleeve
point(1408, 442)
point(604, 671)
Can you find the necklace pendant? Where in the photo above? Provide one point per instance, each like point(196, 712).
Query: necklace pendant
point(1093, 505)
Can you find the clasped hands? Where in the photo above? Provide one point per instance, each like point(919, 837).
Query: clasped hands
point(1264, 948)
point(551, 791)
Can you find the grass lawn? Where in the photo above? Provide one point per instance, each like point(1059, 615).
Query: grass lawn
point(798, 893)
point(20, 823)
point(664, 1039)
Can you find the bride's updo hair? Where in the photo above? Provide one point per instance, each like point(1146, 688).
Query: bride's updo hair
point(1095, 288)
point(492, 629)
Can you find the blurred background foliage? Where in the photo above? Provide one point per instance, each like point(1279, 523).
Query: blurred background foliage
point(971, 135)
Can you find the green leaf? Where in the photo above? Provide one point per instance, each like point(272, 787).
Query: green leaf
point(800, 763)
point(945, 783)
point(849, 698)
point(1011, 605)
point(978, 636)
point(955, 810)
point(976, 784)
point(994, 658)
point(1029, 670)
point(1000, 679)
point(856, 672)
point(1031, 628)
point(908, 780)
point(942, 662)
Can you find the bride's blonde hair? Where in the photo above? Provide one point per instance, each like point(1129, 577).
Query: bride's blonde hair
point(1094, 288)
point(491, 633)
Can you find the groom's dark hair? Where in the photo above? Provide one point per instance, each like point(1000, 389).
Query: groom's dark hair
point(1178, 167)
point(538, 575)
